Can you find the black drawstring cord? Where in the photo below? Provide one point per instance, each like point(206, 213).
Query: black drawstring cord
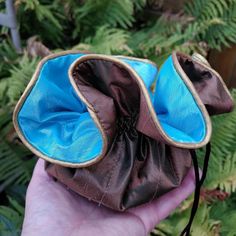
point(199, 183)
point(206, 160)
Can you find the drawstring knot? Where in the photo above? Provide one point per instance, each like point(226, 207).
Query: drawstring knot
point(126, 124)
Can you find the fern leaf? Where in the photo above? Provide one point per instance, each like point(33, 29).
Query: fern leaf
point(19, 77)
point(202, 224)
point(11, 218)
point(225, 213)
point(222, 165)
point(217, 35)
point(93, 14)
point(106, 41)
point(15, 168)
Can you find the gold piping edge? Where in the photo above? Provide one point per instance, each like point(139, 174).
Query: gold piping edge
point(91, 110)
point(146, 61)
point(148, 100)
point(195, 95)
point(137, 59)
point(21, 101)
point(208, 67)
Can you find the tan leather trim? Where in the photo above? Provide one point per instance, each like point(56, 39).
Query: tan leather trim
point(92, 112)
point(146, 95)
point(152, 87)
point(137, 59)
point(209, 68)
point(21, 102)
point(191, 88)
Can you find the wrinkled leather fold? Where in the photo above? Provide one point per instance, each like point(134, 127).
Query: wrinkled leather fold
point(98, 78)
point(122, 179)
point(208, 84)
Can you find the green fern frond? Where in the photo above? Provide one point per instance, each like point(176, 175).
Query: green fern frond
point(106, 41)
point(92, 14)
point(224, 132)
point(16, 163)
point(225, 213)
point(222, 165)
point(11, 218)
point(19, 77)
point(205, 10)
point(210, 22)
point(222, 174)
point(139, 4)
point(43, 12)
point(218, 35)
point(151, 41)
point(202, 224)
point(3, 91)
point(159, 40)
point(8, 56)
point(42, 18)
point(15, 168)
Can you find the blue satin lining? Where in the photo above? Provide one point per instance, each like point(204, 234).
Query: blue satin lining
point(147, 72)
point(55, 121)
point(177, 110)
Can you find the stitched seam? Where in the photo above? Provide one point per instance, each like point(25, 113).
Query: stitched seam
point(157, 185)
point(150, 117)
point(173, 168)
point(101, 122)
point(111, 175)
point(156, 190)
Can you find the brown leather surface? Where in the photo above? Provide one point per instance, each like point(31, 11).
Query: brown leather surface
point(136, 168)
point(208, 86)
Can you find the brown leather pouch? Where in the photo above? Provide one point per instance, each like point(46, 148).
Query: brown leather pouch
point(132, 144)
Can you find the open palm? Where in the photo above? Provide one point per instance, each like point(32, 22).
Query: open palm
point(51, 209)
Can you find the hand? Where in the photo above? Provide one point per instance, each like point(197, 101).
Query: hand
point(51, 209)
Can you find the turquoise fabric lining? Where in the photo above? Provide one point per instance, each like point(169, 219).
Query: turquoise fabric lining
point(55, 121)
point(176, 108)
point(147, 72)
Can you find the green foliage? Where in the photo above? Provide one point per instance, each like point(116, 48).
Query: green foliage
point(20, 75)
point(106, 41)
point(203, 225)
point(11, 218)
point(16, 161)
point(39, 18)
point(15, 167)
point(118, 27)
point(223, 13)
point(226, 214)
point(7, 57)
point(158, 40)
point(103, 12)
point(222, 165)
point(94, 14)
point(213, 22)
point(204, 24)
